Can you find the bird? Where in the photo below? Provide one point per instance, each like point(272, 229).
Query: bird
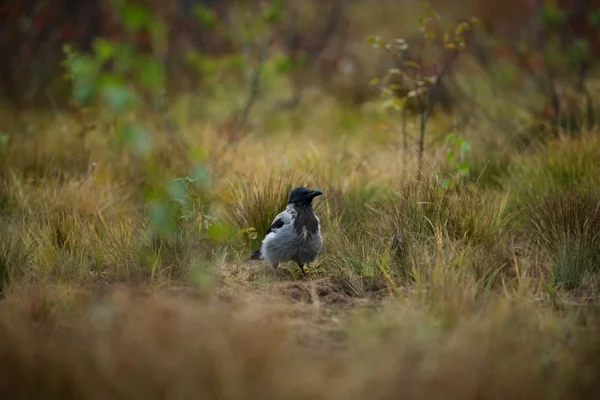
point(295, 233)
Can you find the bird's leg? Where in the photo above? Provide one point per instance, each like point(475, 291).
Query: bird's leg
point(302, 268)
point(275, 265)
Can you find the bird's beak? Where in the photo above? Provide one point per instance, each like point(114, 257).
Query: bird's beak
point(316, 193)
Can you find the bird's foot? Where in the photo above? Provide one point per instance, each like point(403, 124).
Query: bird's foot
point(304, 274)
point(274, 269)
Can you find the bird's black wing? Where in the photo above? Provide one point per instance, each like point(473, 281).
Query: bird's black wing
point(278, 223)
point(280, 220)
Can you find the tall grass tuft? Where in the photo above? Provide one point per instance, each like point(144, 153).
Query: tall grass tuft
point(420, 209)
point(566, 226)
point(255, 204)
point(362, 260)
point(554, 167)
point(349, 204)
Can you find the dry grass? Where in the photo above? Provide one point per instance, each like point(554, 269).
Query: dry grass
point(66, 344)
point(420, 292)
point(486, 291)
point(567, 226)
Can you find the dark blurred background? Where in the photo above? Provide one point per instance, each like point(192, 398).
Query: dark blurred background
point(550, 43)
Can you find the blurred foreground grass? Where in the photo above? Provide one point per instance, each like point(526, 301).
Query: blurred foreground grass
point(485, 290)
point(62, 344)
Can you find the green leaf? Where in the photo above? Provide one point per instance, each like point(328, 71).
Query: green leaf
point(461, 28)
point(160, 217)
point(374, 82)
point(386, 92)
point(137, 138)
point(151, 74)
point(447, 183)
point(105, 49)
point(205, 65)
point(463, 168)
point(450, 156)
point(199, 153)
point(552, 16)
point(220, 232)
point(595, 18)
point(202, 178)
point(84, 71)
point(234, 61)
point(465, 147)
point(135, 16)
point(251, 231)
point(3, 139)
point(375, 41)
point(177, 191)
point(206, 16)
point(387, 104)
point(450, 137)
point(118, 97)
point(412, 64)
point(430, 34)
point(283, 64)
point(108, 79)
point(273, 12)
point(398, 103)
point(68, 50)
point(125, 58)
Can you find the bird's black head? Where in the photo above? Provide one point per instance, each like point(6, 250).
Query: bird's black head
point(302, 196)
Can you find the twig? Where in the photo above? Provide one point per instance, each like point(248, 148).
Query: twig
point(254, 86)
point(426, 112)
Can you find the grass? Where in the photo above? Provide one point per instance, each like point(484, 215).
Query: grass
point(557, 166)
point(566, 226)
point(487, 290)
point(164, 346)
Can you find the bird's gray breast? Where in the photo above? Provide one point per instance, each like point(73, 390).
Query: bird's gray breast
point(299, 240)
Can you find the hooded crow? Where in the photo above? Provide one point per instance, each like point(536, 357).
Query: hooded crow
point(295, 234)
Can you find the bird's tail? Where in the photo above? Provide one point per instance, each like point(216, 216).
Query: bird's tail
point(256, 255)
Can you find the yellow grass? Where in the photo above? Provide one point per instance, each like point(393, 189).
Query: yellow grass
point(464, 307)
